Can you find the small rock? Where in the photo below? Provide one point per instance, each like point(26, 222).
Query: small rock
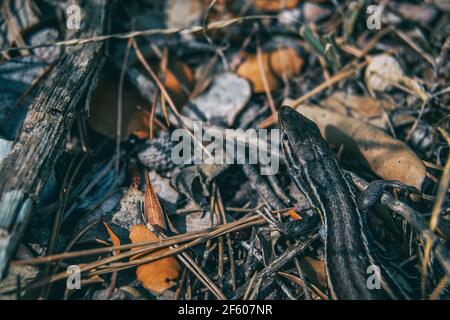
point(199, 221)
point(222, 101)
point(103, 295)
point(48, 54)
point(128, 213)
point(382, 73)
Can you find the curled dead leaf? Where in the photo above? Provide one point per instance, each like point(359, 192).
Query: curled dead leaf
point(278, 64)
point(156, 276)
point(389, 158)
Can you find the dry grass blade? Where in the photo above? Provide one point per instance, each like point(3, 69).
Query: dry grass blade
point(197, 239)
point(134, 34)
point(437, 208)
point(264, 78)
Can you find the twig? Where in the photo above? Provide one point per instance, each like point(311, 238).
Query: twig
point(279, 262)
point(437, 208)
point(414, 218)
point(343, 74)
point(149, 32)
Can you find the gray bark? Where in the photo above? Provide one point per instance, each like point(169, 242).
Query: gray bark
point(42, 139)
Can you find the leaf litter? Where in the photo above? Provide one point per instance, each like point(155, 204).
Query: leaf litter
point(141, 226)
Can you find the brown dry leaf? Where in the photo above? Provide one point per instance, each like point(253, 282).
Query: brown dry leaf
point(156, 276)
point(114, 238)
point(274, 5)
point(315, 271)
point(364, 108)
point(389, 158)
point(159, 275)
point(356, 106)
point(178, 81)
point(152, 208)
point(103, 111)
point(283, 62)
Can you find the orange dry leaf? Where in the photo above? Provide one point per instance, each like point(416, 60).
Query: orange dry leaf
point(278, 64)
point(156, 276)
point(275, 5)
point(294, 215)
point(152, 208)
point(114, 239)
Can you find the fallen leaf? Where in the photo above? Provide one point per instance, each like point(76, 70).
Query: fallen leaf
point(178, 81)
point(294, 215)
point(277, 64)
point(315, 271)
point(365, 108)
point(388, 158)
point(274, 5)
point(152, 207)
point(160, 275)
point(103, 112)
point(114, 238)
point(353, 105)
point(156, 276)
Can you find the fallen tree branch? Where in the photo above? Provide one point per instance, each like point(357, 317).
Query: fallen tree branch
point(24, 172)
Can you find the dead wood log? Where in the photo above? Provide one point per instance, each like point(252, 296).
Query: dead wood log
point(42, 139)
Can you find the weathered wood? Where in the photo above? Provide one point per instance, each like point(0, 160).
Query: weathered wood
point(42, 139)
